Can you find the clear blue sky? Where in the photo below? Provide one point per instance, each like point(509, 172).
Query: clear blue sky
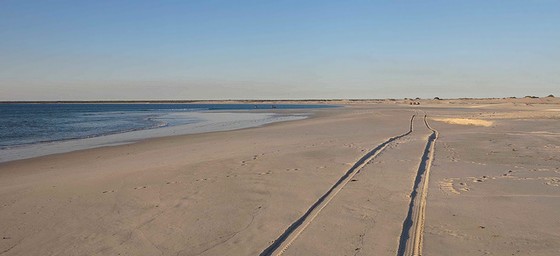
point(62, 50)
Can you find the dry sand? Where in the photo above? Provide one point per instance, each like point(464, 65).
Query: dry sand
point(339, 183)
point(464, 121)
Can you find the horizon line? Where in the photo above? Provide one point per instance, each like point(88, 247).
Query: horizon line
point(264, 100)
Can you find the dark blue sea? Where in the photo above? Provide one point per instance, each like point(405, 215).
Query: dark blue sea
point(22, 124)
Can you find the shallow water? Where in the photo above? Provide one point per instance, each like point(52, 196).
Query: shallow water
point(29, 130)
point(36, 123)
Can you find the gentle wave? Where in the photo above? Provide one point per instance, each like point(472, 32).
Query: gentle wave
point(28, 124)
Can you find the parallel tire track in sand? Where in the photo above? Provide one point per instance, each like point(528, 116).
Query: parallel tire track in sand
point(279, 246)
point(412, 235)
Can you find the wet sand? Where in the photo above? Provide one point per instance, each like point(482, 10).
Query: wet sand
point(320, 186)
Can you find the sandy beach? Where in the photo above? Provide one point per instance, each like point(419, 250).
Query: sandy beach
point(446, 177)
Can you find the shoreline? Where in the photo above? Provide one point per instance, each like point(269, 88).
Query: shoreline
point(238, 119)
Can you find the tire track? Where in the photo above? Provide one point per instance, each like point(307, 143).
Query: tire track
point(279, 246)
point(411, 240)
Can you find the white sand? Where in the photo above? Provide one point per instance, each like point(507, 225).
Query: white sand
point(492, 191)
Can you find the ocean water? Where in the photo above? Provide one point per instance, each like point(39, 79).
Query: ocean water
point(28, 130)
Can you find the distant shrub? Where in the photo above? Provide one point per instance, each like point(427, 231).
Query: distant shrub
point(550, 96)
point(531, 97)
point(437, 98)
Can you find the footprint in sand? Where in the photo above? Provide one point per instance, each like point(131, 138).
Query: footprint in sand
point(508, 173)
point(553, 181)
point(265, 173)
point(351, 145)
point(480, 179)
point(447, 186)
point(255, 157)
